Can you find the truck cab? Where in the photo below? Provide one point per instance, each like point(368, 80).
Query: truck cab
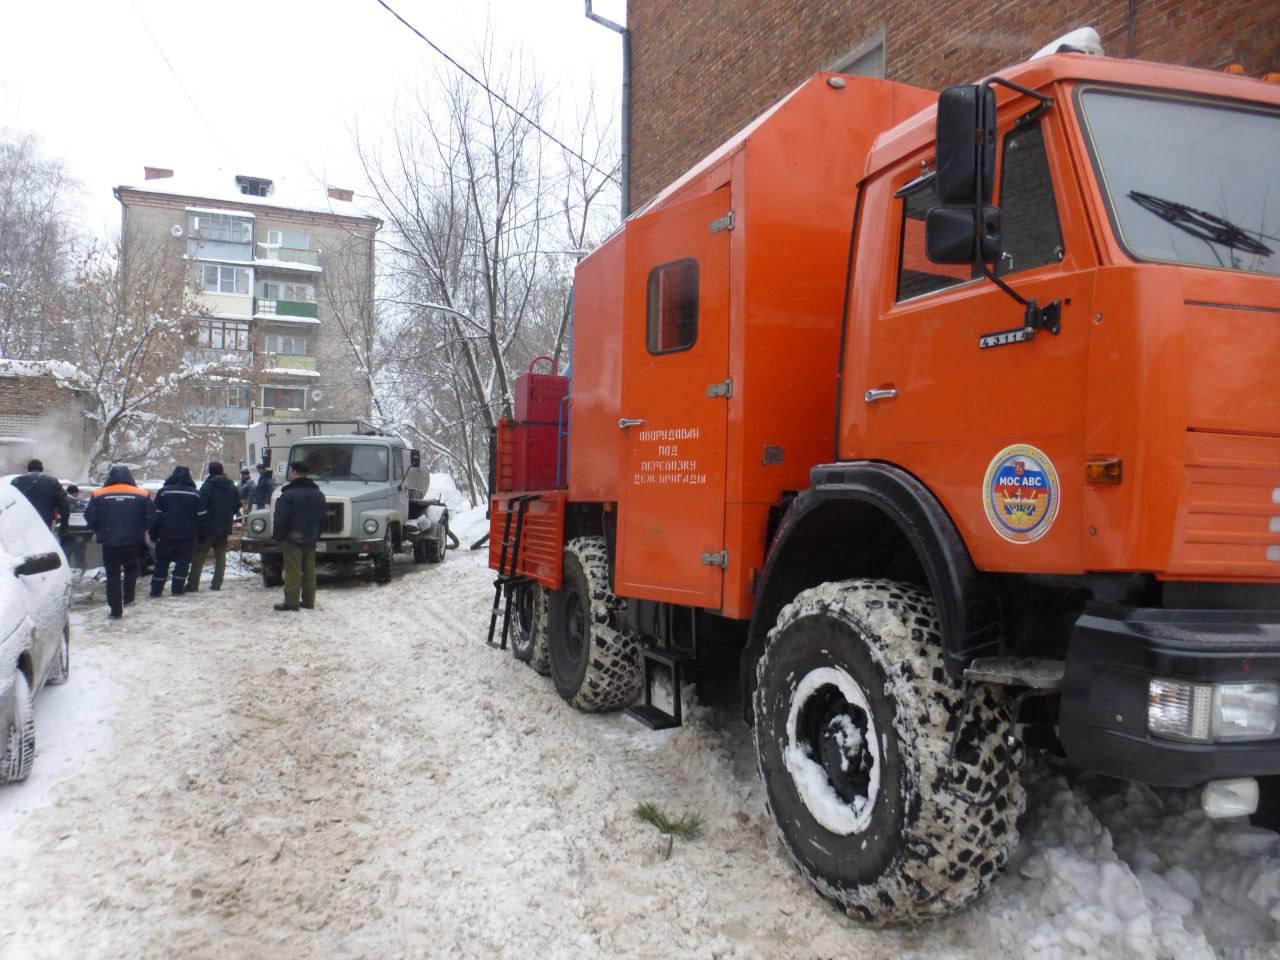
point(374, 491)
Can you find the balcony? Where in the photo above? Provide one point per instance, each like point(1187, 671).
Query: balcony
point(264, 308)
point(224, 358)
point(303, 363)
point(287, 258)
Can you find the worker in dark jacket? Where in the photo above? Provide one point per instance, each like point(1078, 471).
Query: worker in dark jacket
point(45, 493)
point(174, 530)
point(119, 514)
point(246, 490)
point(297, 523)
point(219, 503)
point(262, 492)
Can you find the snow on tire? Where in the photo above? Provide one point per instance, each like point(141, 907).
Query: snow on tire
point(60, 669)
point(20, 743)
point(595, 666)
point(529, 643)
point(894, 790)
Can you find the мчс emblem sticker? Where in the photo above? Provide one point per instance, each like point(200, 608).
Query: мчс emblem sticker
point(1020, 493)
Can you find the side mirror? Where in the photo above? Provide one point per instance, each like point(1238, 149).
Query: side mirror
point(415, 458)
point(948, 234)
point(38, 563)
point(966, 135)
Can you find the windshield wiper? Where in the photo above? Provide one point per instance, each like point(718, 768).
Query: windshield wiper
point(1200, 224)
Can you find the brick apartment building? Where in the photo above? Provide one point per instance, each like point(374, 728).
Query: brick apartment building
point(701, 69)
point(269, 272)
point(43, 413)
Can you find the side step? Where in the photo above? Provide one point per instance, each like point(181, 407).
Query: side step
point(654, 717)
point(508, 579)
point(1034, 672)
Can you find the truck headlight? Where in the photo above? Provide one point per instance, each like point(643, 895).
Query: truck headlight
point(371, 526)
point(257, 525)
point(1212, 712)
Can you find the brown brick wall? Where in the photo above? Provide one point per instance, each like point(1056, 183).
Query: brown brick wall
point(50, 421)
point(701, 69)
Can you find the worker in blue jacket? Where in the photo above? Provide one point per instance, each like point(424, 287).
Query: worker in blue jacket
point(174, 530)
point(120, 514)
point(219, 504)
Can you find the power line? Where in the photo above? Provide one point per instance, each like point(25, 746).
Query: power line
point(497, 96)
point(181, 86)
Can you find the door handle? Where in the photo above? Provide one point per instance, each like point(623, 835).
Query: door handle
point(885, 393)
point(629, 422)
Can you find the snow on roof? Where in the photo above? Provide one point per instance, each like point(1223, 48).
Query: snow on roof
point(287, 265)
point(291, 372)
point(222, 189)
point(223, 213)
point(58, 369)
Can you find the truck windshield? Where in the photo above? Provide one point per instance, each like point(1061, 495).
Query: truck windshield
point(1192, 181)
point(343, 461)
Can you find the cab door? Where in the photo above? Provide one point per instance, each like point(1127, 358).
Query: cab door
point(954, 391)
point(675, 404)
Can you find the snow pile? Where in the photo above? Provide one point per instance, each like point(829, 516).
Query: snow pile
point(67, 374)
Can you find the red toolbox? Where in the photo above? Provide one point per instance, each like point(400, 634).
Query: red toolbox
point(538, 395)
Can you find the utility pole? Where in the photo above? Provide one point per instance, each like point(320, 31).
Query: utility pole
point(626, 103)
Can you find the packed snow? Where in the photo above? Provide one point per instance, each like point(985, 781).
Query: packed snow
point(370, 779)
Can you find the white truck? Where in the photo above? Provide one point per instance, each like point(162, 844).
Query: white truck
point(375, 495)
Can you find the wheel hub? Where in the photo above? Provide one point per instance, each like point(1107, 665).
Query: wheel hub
point(835, 736)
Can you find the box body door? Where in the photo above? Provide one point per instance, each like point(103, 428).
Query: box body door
point(675, 404)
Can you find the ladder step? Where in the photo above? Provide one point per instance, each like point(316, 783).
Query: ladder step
point(664, 656)
point(652, 717)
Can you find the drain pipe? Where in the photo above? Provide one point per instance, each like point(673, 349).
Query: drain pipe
point(625, 159)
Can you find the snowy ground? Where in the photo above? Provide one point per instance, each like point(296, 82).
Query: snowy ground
point(370, 780)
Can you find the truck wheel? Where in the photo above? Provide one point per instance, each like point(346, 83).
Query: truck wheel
point(61, 671)
point(273, 571)
point(530, 641)
point(595, 666)
point(419, 551)
point(436, 548)
point(894, 793)
point(383, 562)
point(20, 744)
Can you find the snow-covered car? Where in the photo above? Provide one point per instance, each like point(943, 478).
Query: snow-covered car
point(35, 630)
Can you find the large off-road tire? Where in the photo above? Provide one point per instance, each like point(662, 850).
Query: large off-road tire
point(60, 669)
point(272, 571)
point(895, 791)
point(529, 641)
point(594, 665)
point(20, 742)
point(383, 562)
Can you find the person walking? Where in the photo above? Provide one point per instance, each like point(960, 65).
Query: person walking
point(45, 493)
point(298, 519)
point(120, 514)
point(262, 492)
point(219, 501)
point(246, 491)
point(174, 530)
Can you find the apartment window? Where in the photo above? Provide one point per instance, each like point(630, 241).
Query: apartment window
point(284, 398)
point(224, 335)
point(295, 292)
point(254, 186)
point(290, 239)
point(864, 60)
point(218, 395)
point(221, 226)
point(672, 314)
point(216, 278)
point(279, 343)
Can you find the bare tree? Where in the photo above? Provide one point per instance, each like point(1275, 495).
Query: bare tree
point(134, 330)
point(36, 237)
point(482, 219)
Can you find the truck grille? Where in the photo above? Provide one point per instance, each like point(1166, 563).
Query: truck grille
point(334, 522)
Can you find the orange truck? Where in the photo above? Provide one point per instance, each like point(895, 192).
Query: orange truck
point(946, 425)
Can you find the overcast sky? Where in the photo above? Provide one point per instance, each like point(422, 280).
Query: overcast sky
point(272, 87)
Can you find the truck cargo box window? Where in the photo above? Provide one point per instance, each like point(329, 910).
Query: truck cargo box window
point(917, 275)
point(1028, 212)
point(672, 317)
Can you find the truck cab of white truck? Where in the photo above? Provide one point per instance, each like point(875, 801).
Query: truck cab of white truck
point(376, 506)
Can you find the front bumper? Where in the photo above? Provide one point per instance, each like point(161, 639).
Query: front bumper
point(337, 549)
point(1115, 651)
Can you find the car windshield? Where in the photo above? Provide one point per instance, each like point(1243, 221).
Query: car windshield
point(343, 461)
point(1189, 181)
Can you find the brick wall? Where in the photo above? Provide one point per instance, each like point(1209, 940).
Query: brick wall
point(701, 69)
point(39, 418)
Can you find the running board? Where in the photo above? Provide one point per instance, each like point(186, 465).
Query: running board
point(654, 717)
point(1034, 672)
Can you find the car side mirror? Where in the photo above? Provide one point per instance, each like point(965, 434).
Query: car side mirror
point(415, 458)
point(966, 144)
point(38, 563)
point(949, 235)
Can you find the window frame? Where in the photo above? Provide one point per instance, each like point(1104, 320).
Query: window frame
point(1037, 123)
point(218, 269)
point(275, 406)
point(649, 328)
point(205, 327)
